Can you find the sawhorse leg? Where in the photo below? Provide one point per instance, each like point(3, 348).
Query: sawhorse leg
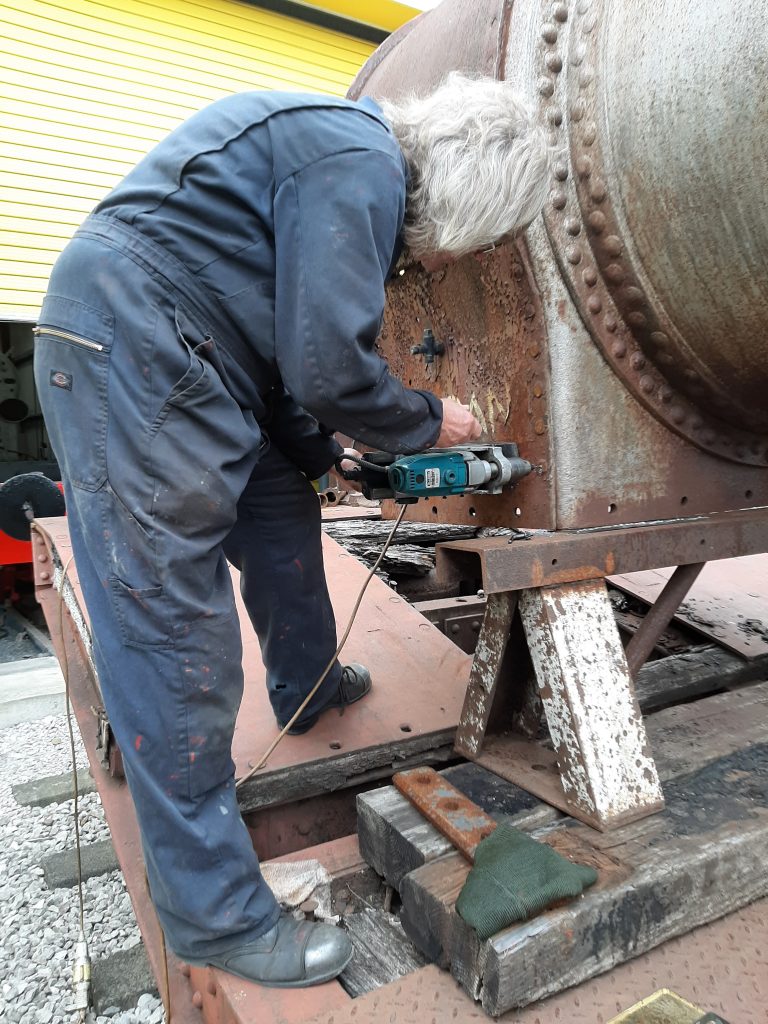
point(607, 773)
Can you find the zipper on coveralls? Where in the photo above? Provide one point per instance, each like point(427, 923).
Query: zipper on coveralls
point(68, 337)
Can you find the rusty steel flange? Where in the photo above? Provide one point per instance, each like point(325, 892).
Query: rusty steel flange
point(640, 342)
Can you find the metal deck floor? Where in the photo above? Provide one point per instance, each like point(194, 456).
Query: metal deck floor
point(722, 967)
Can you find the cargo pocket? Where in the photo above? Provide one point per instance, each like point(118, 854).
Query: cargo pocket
point(134, 582)
point(72, 346)
point(141, 614)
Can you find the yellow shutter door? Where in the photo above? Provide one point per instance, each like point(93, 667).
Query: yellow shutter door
point(88, 86)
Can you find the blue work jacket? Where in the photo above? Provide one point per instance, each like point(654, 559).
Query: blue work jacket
point(288, 209)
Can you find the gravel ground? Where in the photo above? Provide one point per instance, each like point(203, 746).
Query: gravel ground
point(38, 927)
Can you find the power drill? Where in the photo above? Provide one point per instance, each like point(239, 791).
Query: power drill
point(439, 472)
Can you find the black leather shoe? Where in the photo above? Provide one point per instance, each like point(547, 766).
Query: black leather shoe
point(354, 684)
point(293, 954)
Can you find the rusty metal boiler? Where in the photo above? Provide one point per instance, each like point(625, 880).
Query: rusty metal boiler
point(623, 342)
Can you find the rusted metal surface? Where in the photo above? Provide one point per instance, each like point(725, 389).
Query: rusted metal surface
point(658, 618)
point(606, 768)
point(460, 618)
point(642, 258)
point(486, 670)
point(546, 559)
point(485, 311)
point(640, 291)
point(453, 814)
point(728, 602)
point(224, 999)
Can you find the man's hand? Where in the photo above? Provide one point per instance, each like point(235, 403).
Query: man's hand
point(459, 425)
point(348, 466)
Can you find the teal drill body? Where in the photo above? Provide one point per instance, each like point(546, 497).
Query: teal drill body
point(440, 472)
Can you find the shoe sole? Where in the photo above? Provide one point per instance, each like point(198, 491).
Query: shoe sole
point(278, 984)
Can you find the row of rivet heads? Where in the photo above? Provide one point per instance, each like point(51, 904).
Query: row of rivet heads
point(651, 383)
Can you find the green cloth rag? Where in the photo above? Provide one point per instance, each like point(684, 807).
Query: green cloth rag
point(516, 877)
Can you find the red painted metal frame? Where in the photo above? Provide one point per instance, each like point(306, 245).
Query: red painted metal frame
point(423, 653)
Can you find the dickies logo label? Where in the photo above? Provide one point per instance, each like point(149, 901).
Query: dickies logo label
point(59, 379)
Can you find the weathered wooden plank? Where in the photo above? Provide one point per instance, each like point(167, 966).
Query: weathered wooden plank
point(296, 782)
point(365, 532)
point(400, 559)
point(383, 952)
point(607, 773)
point(704, 857)
point(700, 858)
point(694, 674)
point(395, 838)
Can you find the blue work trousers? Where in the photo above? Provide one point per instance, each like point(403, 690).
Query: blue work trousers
point(165, 474)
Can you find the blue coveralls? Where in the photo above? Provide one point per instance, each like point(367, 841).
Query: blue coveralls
point(218, 306)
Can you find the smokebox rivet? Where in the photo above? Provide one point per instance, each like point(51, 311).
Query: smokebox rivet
point(647, 384)
point(558, 199)
point(45, 575)
point(560, 12)
point(578, 55)
point(696, 423)
point(584, 6)
point(578, 109)
point(691, 374)
point(594, 305)
point(659, 338)
point(619, 350)
point(549, 32)
point(589, 276)
point(588, 25)
point(633, 295)
point(42, 558)
point(561, 171)
point(555, 116)
point(585, 75)
point(614, 272)
point(584, 166)
point(610, 323)
point(590, 134)
point(637, 319)
point(573, 225)
point(554, 62)
point(596, 221)
point(546, 86)
point(677, 414)
point(665, 393)
point(573, 254)
point(612, 244)
point(597, 192)
point(637, 362)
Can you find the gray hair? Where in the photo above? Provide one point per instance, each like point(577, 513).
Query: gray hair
point(478, 163)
